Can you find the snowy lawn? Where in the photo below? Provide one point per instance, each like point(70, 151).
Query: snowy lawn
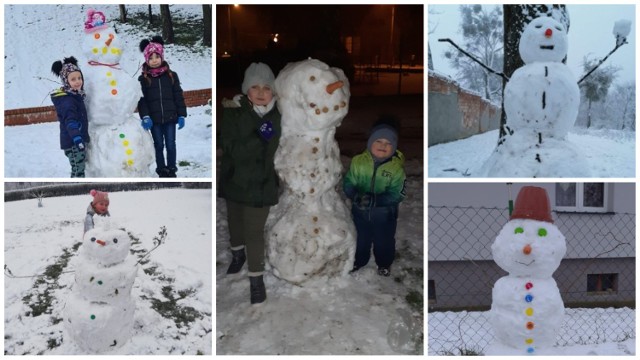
point(34, 150)
point(609, 153)
point(585, 332)
point(360, 314)
point(172, 291)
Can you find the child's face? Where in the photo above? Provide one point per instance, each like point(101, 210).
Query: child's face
point(155, 60)
point(381, 148)
point(75, 80)
point(101, 207)
point(260, 94)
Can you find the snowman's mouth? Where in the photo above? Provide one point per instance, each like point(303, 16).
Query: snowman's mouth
point(546, 47)
point(525, 264)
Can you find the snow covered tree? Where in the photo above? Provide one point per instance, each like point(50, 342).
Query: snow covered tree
point(596, 87)
point(624, 101)
point(167, 24)
point(482, 32)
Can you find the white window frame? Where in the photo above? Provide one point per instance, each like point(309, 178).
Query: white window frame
point(579, 207)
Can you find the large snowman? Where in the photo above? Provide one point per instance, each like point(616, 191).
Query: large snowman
point(99, 311)
point(527, 310)
point(310, 233)
point(541, 101)
point(119, 146)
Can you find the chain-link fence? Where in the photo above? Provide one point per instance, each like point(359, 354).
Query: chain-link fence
point(596, 277)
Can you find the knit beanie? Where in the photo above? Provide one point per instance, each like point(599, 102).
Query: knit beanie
point(384, 131)
point(151, 46)
point(63, 69)
point(99, 196)
point(258, 74)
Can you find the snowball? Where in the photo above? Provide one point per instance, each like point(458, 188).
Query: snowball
point(543, 39)
point(622, 28)
point(105, 247)
point(97, 283)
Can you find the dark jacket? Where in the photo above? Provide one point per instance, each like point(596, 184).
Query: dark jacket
point(162, 100)
point(72, 116)
point(247, 173)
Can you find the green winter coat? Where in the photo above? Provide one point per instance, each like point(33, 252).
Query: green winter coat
point(247, 174)
point(386, 181)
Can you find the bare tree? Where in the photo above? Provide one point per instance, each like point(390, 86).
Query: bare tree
point(167, 24)
point(150, 18)
point(206, 16)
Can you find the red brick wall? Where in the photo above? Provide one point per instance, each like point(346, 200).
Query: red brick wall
point(42, 114)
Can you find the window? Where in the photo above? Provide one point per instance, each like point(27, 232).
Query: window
point(582, 197)
point(432, 292)
point(602, 283)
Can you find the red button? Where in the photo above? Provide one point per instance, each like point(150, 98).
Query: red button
point(528, 285)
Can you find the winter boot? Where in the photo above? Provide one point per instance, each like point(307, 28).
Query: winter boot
point(258, 292)
point(384, 271)
point(237, 261)
point(162, 172)
point(172, 172)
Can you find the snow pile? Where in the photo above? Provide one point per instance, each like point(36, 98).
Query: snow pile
point(310, 232)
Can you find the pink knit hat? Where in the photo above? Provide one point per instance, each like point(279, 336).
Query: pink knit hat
point(153, 47)
point(95, 21)
point(99, 196)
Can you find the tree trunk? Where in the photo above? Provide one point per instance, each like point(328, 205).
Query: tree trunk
point(167, 25)
point(150, 18)
point(206, 16)
point(515, 19)
point(123, 13)
point(589, 115)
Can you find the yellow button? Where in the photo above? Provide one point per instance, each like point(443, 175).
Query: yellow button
point(529, 311)
point(529, 341)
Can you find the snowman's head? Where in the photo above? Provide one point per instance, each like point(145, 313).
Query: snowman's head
point(312, 93)
point(105, 246)
point(529, 248)
point(101, 44)
point(543, 39)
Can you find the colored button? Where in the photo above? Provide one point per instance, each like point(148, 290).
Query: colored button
point(529, 312)
point(529, 341)
point(530, 325)
point(530, 350)
point(93, 317)
point(528, 285)
point(528, 298)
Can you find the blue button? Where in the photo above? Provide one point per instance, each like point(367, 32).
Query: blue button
point(528, 298)
point(530, 350)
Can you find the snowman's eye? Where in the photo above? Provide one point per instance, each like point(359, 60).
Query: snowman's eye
point(312, 78)
point(538, 26)
point(542, 232)
point(519, 230)
point(115, 241)
point(558, 28)
point(93, 239)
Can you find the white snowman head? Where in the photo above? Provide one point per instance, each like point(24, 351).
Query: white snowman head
point(529, 244)
point(101, 44)
point(105, 245)
point(313, 94)
point(543, 40)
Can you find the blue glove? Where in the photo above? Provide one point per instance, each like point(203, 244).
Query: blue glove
point(147, 123)
point(266, 130)
point(77, 141)
point(180, 122)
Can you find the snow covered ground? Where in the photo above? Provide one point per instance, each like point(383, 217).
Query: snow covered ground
point(360, 314)
point(172, 291)
point(34, 150)
point(585, 332)
point(609, 153)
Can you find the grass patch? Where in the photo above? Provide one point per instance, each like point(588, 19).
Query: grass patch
point(169, 308)
point(415, 300)
point(184, 163)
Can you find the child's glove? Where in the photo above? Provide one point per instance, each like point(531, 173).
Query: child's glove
point(364, 201)
point(77, 141)
point(266, 130)
point(147, 123)
point(180, 122)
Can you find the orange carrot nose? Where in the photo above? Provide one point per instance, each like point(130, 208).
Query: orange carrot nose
point(548, 33)
point(101, 242)
point(526, 249)
point(108, 42)
point(334, 86)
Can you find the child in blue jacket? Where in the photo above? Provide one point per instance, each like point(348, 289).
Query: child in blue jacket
point(72, 114)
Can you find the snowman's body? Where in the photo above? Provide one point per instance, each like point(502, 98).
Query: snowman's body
point(527, 310)
point(99, 312)
point(541, 101)
point(119, 146)
point(309, 231)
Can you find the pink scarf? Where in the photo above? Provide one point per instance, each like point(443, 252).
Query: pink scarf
point(155, 72)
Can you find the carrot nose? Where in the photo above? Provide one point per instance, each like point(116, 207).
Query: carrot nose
point(526, 249)
point(108, 42)
point(548, 33)
point(334, 86)
point(101, 242)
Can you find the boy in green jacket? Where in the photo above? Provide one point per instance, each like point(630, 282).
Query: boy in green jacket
point(250, 134)
point(375, 183)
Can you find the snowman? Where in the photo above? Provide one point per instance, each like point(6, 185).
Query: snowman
point(527, 310)
point(99, 311)
point(119, 146)
point(310, 232)
point(541, 102)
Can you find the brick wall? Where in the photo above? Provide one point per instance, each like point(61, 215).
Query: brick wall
point(456, 113)
point(34, 115)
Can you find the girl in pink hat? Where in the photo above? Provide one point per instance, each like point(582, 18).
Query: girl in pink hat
point(99, 206)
